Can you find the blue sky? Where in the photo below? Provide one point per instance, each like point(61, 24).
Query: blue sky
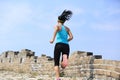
point(29, 24)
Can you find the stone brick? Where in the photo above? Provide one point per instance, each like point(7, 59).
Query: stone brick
point(109, 67)
point(117, 69)
point(82, 53)
point(99, 72)
point(108, 73)
point(98, 56)
point(98, 61)
point(117, 63)
point(99, 66)
point(115, 74)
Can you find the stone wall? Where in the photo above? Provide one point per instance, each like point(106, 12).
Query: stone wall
point(89, 66)
point(81, 64)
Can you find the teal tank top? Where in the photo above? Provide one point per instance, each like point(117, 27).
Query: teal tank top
point(62, 36)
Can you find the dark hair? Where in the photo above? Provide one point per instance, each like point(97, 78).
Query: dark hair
point(66, 15)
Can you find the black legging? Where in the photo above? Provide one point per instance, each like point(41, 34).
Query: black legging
point(60, 48)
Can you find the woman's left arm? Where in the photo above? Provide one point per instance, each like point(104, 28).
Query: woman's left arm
point(70, 34)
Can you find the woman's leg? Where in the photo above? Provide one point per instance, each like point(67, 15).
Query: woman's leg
point(57, 71)
point(57, 53)
point(64, 61)
point(65, 55)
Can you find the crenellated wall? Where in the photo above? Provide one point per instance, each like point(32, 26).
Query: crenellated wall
point(81, 64)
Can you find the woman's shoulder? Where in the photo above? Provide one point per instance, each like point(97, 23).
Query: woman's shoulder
point(57, 27)
point(67, 28)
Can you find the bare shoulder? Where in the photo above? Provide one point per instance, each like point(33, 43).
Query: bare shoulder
point(57, 27)
point(67, 29)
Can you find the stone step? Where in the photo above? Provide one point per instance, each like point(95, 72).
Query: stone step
point(93, 72)
point(94, 66)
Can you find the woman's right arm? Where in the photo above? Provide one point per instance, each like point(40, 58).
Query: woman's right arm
point(54, 34)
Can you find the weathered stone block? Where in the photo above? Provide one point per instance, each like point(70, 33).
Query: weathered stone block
point(98, 56)
point(99, 71)
point(108, 73)
point(109, 67)
point(98, 61)
point(117, 63)
point(115, 74)
point(99, 66)
point(117, 69)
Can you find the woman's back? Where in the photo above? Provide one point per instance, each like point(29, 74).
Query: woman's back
point(62, 35)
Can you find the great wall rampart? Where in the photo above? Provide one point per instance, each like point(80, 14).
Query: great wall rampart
point(83, 65)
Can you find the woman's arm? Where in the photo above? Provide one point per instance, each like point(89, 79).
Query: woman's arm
point(70, 34)
point(54, 34)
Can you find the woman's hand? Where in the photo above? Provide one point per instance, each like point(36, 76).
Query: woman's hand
point(51, 41)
